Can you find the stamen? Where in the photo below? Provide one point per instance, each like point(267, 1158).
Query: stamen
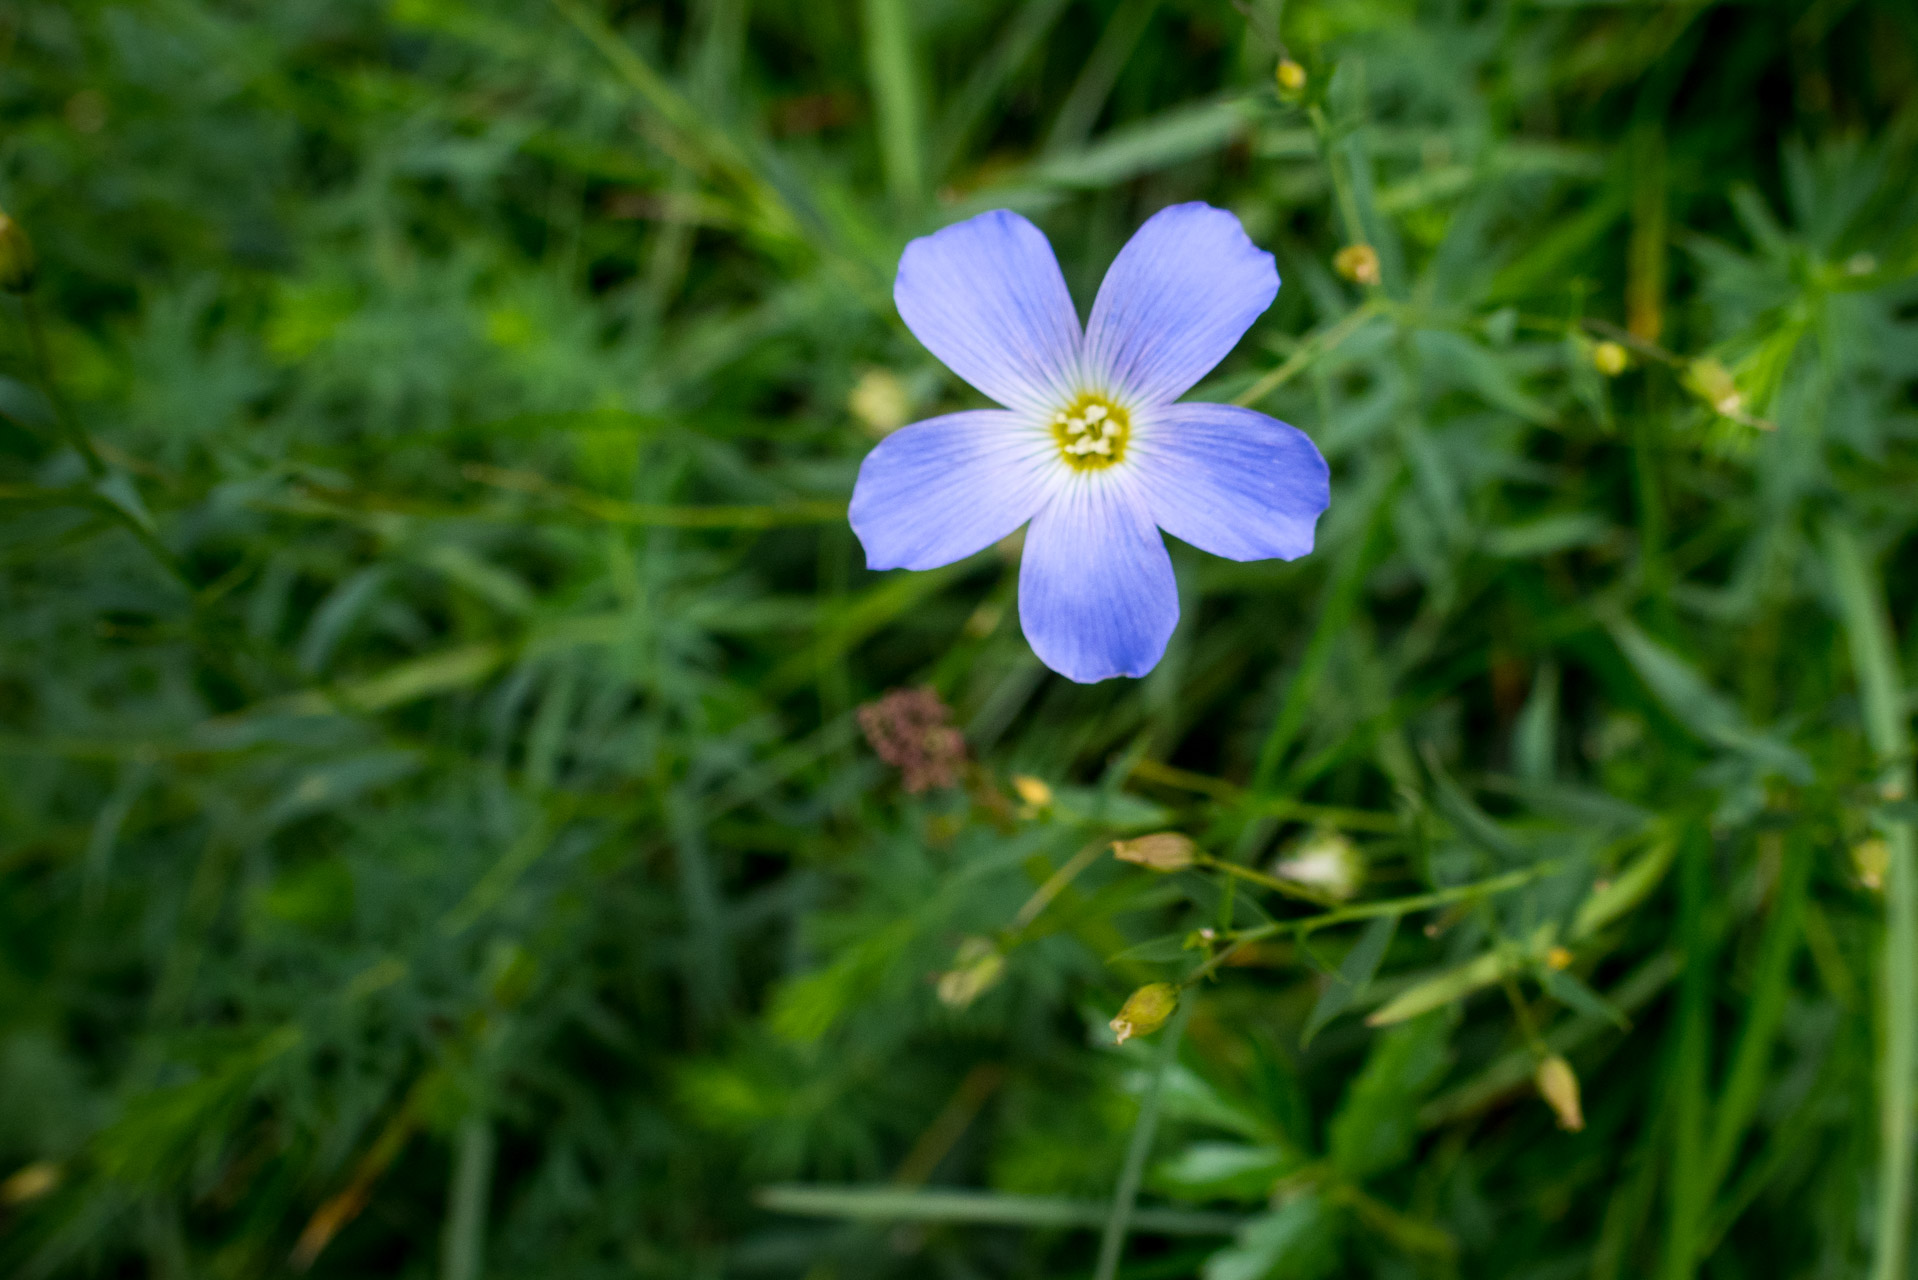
point(1092, 432)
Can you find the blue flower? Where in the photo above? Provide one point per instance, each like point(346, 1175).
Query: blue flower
point(1091, 446)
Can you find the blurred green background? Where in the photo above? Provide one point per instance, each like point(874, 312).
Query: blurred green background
point(437, 836)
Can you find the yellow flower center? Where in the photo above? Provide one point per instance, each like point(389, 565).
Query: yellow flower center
point(1092, 432)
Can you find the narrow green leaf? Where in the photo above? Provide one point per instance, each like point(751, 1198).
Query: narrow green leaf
point(1887, 724)
point(1353, 975)
point(892, 66)
point(1573, 994)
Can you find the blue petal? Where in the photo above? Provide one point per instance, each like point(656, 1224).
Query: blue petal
point(985, 296)
point(1230, 481)
point(939, 490)
point(1177, 299)
point(1096, 595)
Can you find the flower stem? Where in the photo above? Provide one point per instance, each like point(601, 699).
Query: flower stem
point(1372, 910)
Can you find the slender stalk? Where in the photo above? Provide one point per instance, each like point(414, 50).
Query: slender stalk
point(1119, 1221)
point(1371, 911)
point(463, 1255)
point(1685, 1187)
point(1315, 345)
point(1286, 887)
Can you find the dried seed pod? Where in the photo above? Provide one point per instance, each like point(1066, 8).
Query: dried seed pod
point(1165, 851)
point(1558, 1085)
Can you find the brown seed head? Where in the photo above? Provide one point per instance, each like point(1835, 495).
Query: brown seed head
point(910, 730)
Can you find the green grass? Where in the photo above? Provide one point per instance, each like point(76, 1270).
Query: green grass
point(436, 835)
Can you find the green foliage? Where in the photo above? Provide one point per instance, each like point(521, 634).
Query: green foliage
point(436, 833)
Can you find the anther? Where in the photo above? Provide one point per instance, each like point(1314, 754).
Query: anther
point(1091, 432)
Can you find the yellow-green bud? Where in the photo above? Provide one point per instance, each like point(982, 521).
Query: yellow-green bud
point(17, 261)
point(1166, 851)
point(1033, 791)
point(1870, 860)
point(1358, 263)
point(1145, 1010)
point(1610, 358)
point(30, 1182)
point(1715, 386)
point(976, 968)
point(1559, 1087)
point(881, 401)
point(1290, 75)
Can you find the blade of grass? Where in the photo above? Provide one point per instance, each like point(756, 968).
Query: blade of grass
point(1766, 1011)
point(1881, 693)
point(1022, 36)
point(463, 1255)
point(1342, 596)
point(1087, 97)
point(892, 67)
point(1691, 1048)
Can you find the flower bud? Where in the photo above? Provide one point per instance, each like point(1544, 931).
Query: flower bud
point(976, 968)
point(17, 260)
point(30, 1182)
point(1358, 263)
point(1166, 851)
point(881, 401)
point(1870, 859)
point(1291, 77)
point(1032, 790)
point(1610, 358)
point(1713, 383)
point(1559, 1087)
point(1145, 1011)
point(1325, 861)
point(1558, 958)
